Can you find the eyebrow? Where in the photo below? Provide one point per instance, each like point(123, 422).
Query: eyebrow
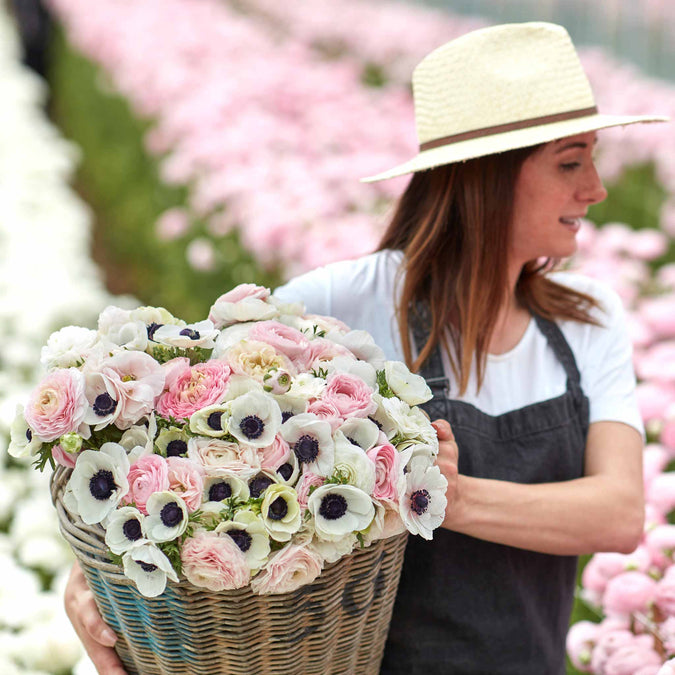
point(578, 144)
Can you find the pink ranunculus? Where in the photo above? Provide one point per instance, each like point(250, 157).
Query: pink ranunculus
point(246, 302)
point(581, 639)
point(655, 459)
point(628, 592)
point(628, 659)
point(285, 339)
point(668, 668)
point(321, 349)
point(653, 398)
point(664, 597)
point(147, 475)
point(653, 517)
point(327, 412)
point(214, 562)
point(660, 542)
point(273, 456)
point(328, 323)
point(223, 458)
point(57, 405)
point(63, 458)
point(186, 479)
point(291, 567)
point(191, 388)
point(609, 642)
point(139, 381)
point(668, 436)
point(661, 492)
point(306, 481)
point(244, 291)
point(350, 395)
point(385, 458)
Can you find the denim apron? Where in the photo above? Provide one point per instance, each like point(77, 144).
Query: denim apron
point(471, 607)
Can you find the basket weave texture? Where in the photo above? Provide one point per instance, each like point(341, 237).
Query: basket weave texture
point(336, 625)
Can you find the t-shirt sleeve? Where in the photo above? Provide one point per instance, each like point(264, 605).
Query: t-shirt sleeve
point(312, 288)
point(608, 376)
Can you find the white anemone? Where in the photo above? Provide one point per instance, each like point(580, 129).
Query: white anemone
point(255, 419)
point(172, 442)
point(99, 481)
point(340, 510)
point(289, 471)
point(421, 498)
point(352, 464)
point(124, 530)
point(281, 512)
point(167, 516)
point(311, 440)
point(361, 344)
point(210, 421)
point(103, 397)
point(139, 440)
point(248, 532)
point(149, 568)
point(219, 488)
point(361, 431)
point(23, 443)
point(260, 482)
point(408, 386)
point(411, 423)
point(202, 334)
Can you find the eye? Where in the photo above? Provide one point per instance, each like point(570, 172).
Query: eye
point(570, 166)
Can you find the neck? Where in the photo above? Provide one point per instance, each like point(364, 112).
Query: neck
point(512, 319)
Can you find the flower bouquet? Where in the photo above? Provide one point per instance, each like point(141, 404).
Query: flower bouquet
point(250, 476)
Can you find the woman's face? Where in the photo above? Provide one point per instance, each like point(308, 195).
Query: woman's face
point(554, 189)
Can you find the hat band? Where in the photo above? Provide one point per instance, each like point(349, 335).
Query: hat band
point(510, 126)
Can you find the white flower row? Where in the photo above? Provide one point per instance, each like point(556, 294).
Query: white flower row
point(47, 279)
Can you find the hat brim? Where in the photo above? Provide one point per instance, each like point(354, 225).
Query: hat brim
point(509, 140)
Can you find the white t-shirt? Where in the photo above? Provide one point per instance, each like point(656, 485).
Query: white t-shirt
point(362, 293)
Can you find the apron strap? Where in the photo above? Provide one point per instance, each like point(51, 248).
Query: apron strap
point(560, 348)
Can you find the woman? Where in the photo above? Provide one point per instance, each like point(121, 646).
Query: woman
point(532, 370)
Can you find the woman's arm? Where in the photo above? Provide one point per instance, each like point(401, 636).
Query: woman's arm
point(602, 511)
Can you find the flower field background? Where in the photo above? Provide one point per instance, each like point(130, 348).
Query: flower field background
point(220, 142)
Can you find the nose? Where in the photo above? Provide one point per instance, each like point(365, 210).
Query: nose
point(591, 190)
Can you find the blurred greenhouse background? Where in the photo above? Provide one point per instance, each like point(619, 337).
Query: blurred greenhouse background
point(170, 149)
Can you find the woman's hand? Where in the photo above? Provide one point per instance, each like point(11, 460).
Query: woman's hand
point(98, 639)
point(448, 455)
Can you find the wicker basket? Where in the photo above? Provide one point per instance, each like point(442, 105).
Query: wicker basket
point(336, 625)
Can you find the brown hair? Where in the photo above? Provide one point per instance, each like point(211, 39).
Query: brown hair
point(453, 224)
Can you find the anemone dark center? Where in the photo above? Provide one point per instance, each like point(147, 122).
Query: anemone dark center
point(306, 449)
point(353, 442)
point(132, 529)
point(104, 404)
point(252, 426)
point(241, 538)
point(379, 426)
point(220, 491)
point(285, 471)
point(258, 485)
point(146, 567)
point(214, 421)
point(102, 485)
point(171, 515)
point(29, 435)
point(191, 333)
point(176, 448)
point(278, 509)
point(419, 501)
point(333, 506)
point(152, 329)
point(285, 416)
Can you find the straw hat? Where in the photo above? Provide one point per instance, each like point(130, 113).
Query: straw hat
point(498, 89)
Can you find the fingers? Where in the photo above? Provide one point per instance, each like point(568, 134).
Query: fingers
point(94, 633)
point(443, 430)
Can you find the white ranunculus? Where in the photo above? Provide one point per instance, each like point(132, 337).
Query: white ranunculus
point(248, 532)
point(306, 386)
point(124, 529)
point(281, 512)
point(68, 347)
point(415, 451)
point(287, 309)
point(210, 421)
point(139, 440)
point(117, 326)
point(408, 386)
point(149, 569)
point(422, 500)
point(255, 419)
point(340, 510)
point(167, 517)
point(23, 443)
point(230, 336)
point(361, 344)
point(99, 481)
point(312, 442)
point(202, 334)
point(352, 464)
point(410, 423)
point(332, 551)
point(345, 364)
point(361, 431)
point(249, 309)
